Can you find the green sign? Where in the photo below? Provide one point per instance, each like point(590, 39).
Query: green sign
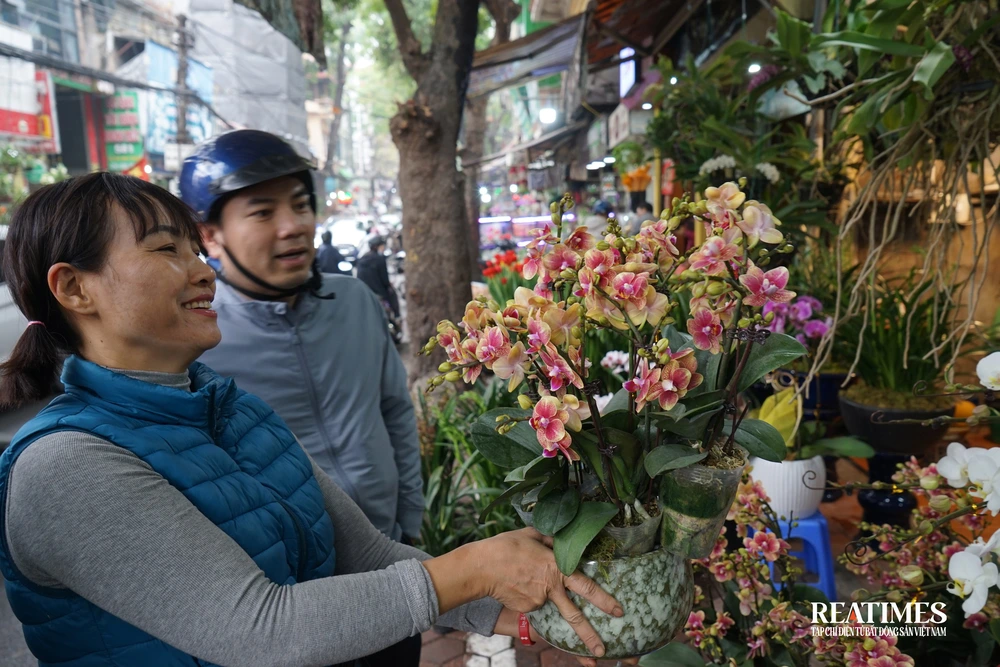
point(122, 135)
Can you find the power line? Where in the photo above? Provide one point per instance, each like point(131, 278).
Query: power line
point(55, 63)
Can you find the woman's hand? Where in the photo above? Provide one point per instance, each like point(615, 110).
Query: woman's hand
point(507, 624)
point(521, 572)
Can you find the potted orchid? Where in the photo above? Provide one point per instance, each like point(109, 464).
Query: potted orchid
point(662, 459)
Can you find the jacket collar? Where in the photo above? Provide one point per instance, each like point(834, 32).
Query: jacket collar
point(227, 297)
point(208, 404)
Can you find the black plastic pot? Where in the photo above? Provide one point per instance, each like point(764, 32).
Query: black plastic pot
point(822, 403)
point(908, 439)
point(894, 444)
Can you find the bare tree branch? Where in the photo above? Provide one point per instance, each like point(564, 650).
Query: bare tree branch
point(413, 56)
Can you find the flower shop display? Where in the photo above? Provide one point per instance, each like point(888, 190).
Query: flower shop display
point(503, 276)
point(796, 485)
point(663, 459)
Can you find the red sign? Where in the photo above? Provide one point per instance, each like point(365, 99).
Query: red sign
point(48, 121)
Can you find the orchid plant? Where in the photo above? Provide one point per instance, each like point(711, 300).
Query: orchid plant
point(581, 465)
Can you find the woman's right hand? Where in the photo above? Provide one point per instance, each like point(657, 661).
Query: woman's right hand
point(519, 570)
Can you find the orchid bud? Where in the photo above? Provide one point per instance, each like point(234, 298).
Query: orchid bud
point(603, 245)
point(642, 352)
point(630, 245)
point(556, 219)
point(869, 644)
point(554, 208)
point(929, 482)
point(674, 222)
point(940, 504)
point(453, 376)
point(438, 381)
point(926, 527)
point(661, 345)
point(575, 332)
point(859, 595)
point(912, 575)
point(675, 202)
point(667, 321)
point(743, 323)
point(698, 290)
point(674, 279)
point(743, 183)
point(894, 596)
point(573, 300)
point(764, 262)
point(962, 502)
point(757, 630)
point(524, 402)
point(715, 288)
point(604, 321)
point(688, 274)
point(444, 368)
point(619, 243)
point(769, 317)
point(568, 274)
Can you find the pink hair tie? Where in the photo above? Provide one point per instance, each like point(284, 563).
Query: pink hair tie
point(36, 322)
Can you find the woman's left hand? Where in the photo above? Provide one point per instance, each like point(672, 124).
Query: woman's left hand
point(507, 625)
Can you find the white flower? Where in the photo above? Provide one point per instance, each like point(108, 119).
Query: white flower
point(615, 361)
point(716, 164)
point(955, 466)
point(984, 474)
point(980, 548)
point(602, 402)
point(769, 170)
point(988, 370)
point(971, 578)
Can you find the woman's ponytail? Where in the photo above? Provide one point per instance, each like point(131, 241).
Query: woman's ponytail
point(32, 370)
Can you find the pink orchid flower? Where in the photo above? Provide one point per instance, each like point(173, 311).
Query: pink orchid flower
point(581, 240)
point(598, 306)
point(470, 373)
point(561, 258)
point(513, 366)
point(601, 263)
point(562, 322)
point(586, 279)
point(727, 197)
point(766, 545)
point(558, 370)
point(476, 317)
point(645, 385)
point(576, 409)
point(758, 648)
point(654, 310)
point(532, 264)
point(629, 287)
point(713, 255)
point(674, 382)
point(543, 288)
point(706, 331)
point(759, 224)
point(539, 335)
point(686, 360)
point(766, 287)
point(493, 345)
point(549, 421)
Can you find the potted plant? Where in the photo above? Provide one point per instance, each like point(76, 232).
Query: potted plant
point(795, 485)
point(663, 458)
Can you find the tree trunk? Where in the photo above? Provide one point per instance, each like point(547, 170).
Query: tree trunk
point(338, 100)
point(504, 13)
point(475, 132)
point(425, 130)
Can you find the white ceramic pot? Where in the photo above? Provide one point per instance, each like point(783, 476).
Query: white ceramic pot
point(784, 484)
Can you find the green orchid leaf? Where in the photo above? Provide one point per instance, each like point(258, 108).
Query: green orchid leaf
point(540, 465)
point(761, 440)
point(516, 448)
point(932, 67)
point(778, 351)
point(506, 495)
point(845, 446)
point(570, 542)
point(670, 457)
point(694, 405)
point(861, 41)
point(691, 428)
point(555, 511)
point(673, 655)
point(675, 413)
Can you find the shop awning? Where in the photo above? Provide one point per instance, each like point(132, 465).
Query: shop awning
point(535, 56)
point(551, 140)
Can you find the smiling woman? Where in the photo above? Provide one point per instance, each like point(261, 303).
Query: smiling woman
point(111, 263)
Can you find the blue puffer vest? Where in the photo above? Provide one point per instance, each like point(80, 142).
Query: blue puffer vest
point(224, 449)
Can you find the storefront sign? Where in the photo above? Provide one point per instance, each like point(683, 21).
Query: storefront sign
point(122, 134)
point(27, 108)
point(624, 123)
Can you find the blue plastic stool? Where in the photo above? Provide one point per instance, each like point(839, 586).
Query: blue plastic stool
point(817, 555)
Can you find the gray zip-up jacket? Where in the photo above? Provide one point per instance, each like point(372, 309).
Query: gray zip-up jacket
point(329, 369)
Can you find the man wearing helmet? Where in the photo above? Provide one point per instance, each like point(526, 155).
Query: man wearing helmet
point(315, 346)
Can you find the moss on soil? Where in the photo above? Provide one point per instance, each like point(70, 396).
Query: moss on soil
point(889, 399)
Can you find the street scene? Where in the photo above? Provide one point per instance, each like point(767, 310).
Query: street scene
point(500, 333)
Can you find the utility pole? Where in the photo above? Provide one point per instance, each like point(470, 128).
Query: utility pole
point(183, 44)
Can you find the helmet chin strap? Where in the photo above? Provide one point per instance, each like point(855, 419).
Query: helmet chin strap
point(311, 285)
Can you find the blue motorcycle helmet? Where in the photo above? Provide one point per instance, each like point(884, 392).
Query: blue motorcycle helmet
point(230, 162)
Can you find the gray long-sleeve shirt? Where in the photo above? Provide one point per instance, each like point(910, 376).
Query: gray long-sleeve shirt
point(330, 370)
point(87, 515)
